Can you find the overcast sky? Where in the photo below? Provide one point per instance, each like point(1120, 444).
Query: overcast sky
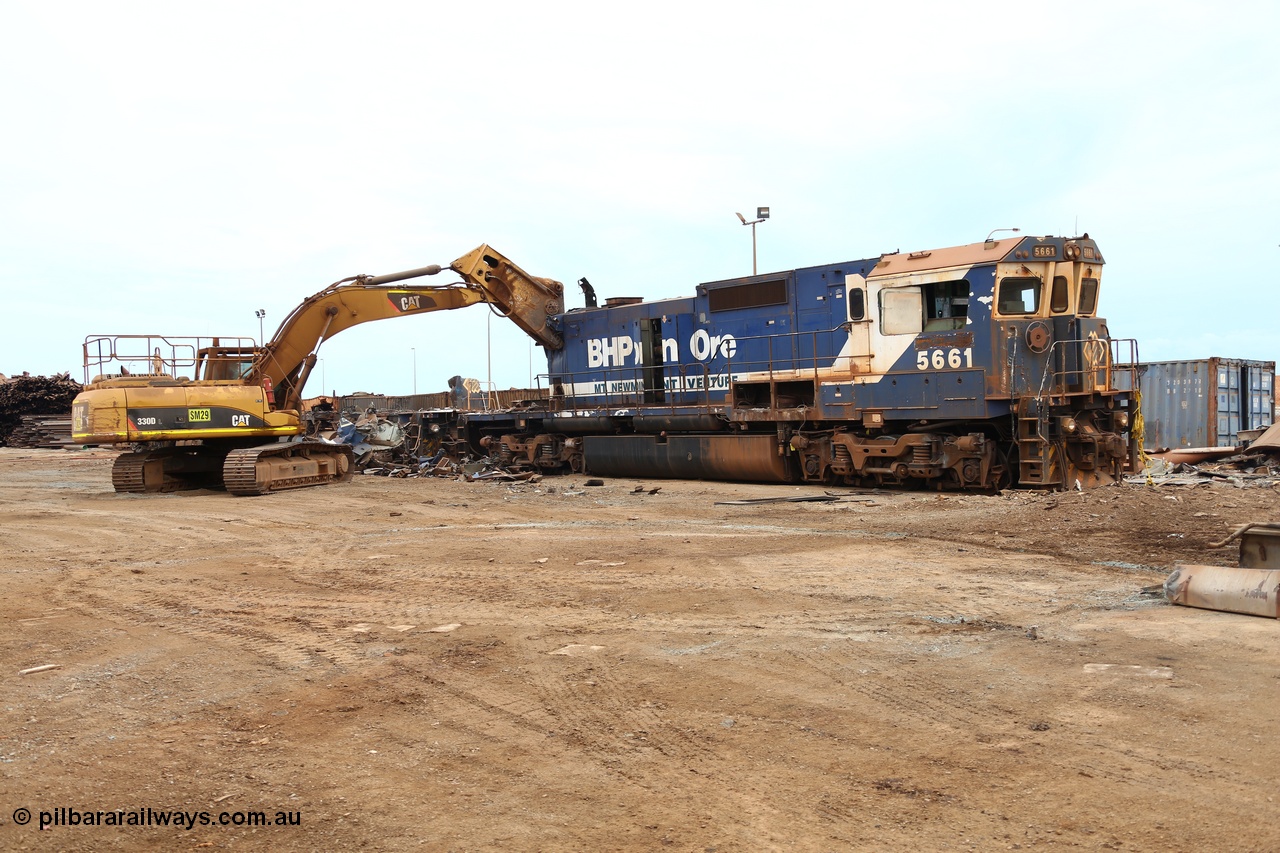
point(171, 167)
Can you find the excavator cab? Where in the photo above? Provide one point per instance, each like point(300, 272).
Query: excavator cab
point(219, 363)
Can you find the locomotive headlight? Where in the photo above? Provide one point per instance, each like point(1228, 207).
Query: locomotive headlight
point(1122, 419)
point(1067, 423)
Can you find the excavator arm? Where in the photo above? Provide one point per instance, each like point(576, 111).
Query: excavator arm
point(530, 302)
point(284, 364)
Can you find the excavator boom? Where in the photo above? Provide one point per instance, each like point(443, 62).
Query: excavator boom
point(286, 361)
point(487, 276)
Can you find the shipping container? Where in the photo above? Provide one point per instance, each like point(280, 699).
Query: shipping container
point(1207, 402)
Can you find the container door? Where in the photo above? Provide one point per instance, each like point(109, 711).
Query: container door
point(1229, 407)
point(1261, 378)
point(1268, 393)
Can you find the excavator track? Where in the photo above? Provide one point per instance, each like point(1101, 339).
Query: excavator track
point(166, 470)
point(128, 474)
point(293, 465)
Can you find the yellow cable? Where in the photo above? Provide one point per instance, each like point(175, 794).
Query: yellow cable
point(1138, 434)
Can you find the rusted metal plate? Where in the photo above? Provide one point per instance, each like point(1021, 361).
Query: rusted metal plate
point(1269, 440)
point(944, 339)
point(1192, 455)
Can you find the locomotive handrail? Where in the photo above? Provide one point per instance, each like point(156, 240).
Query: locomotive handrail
point(1100, 358)
point(811, 363)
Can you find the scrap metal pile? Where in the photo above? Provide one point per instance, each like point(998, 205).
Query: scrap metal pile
point(387, 447)
point(35, 410)
point(50, 432)
point(1254, 464)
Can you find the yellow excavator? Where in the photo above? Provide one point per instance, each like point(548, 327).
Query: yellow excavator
point(236, 420)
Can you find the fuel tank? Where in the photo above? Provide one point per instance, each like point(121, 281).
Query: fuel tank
point(748, 458)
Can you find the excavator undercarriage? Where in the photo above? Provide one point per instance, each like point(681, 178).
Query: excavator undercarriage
point(254, 470)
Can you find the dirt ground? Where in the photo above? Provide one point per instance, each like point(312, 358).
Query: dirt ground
point(438, 665)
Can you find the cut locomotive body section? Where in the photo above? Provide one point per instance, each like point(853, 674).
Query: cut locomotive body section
point(972, 367)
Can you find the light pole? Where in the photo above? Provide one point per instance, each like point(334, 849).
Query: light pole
point(762, 213)
point(414, 350)
point(995, 231)
point(260, 313)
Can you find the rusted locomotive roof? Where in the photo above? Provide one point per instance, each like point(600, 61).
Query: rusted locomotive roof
point(1010, 248)
point(952, 256)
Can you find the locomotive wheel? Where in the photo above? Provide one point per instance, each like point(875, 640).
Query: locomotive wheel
point(1005, 474)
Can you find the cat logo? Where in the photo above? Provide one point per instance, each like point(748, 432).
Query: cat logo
point(405, 301)
point(239, 420)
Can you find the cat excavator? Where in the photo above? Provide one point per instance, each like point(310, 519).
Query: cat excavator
point(236, 419)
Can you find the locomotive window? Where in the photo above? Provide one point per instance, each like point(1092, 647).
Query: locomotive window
point(751, 295)
point(901, 311)
point(857, 303)
point(1019, 296)
point(946, 305)
point(1088, 296)
point(1059, 300)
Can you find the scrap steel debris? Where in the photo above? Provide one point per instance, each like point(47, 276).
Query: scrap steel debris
point(35, 411)
point(481, 469)
point(375, 440)
point(1256, 464)
point(384, 448)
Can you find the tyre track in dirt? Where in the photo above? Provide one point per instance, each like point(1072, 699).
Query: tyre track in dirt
point(286, 631)
point(799, 676)
point(575, 724)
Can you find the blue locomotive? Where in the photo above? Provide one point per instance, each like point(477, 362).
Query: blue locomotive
point(972, 367)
